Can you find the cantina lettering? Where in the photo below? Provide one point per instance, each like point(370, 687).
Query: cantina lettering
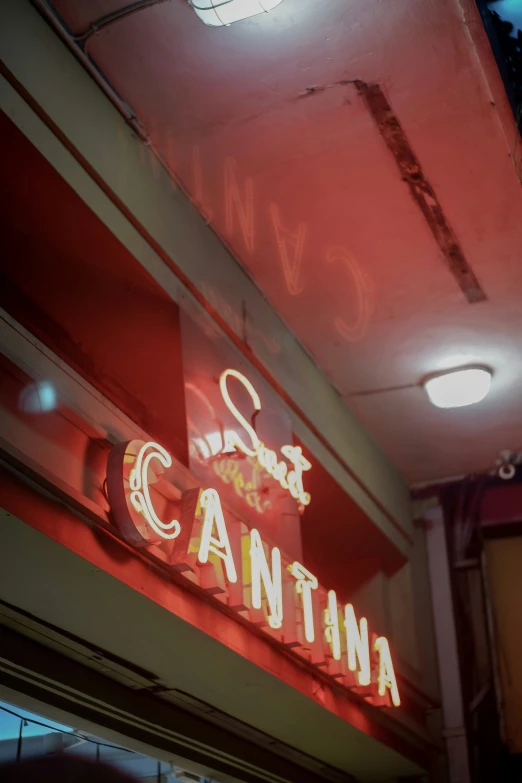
point(224, 558)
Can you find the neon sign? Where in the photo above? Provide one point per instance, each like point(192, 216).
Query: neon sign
point(140, 495)
point(210, 503)
point(290, 480)
point(269, 579)
point(305, 583)
point(224, 558)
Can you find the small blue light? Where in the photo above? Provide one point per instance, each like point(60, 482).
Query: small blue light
point(47, 394)
point(39, 397)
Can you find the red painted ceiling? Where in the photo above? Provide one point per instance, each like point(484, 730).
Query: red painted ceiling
point(265, 129)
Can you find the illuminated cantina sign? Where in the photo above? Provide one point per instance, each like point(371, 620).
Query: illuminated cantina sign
point(192, 533)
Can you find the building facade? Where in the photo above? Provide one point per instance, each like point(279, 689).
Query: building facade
point(205, 555)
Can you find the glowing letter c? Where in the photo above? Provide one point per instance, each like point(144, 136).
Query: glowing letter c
point(140, 494)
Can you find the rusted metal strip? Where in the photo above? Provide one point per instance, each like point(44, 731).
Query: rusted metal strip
point(421, 190)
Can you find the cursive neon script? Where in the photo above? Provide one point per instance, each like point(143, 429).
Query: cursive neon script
point(290, 480)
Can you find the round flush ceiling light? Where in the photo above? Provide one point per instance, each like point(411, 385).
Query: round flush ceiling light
point(218, 13)
point(458, 388)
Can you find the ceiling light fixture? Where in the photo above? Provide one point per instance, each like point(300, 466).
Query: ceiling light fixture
point(458, 388)
point(219, 13)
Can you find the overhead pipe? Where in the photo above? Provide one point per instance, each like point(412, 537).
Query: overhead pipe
point(67, 36)
point(114, 16)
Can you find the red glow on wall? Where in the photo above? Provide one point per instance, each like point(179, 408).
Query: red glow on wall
point(60, 265)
